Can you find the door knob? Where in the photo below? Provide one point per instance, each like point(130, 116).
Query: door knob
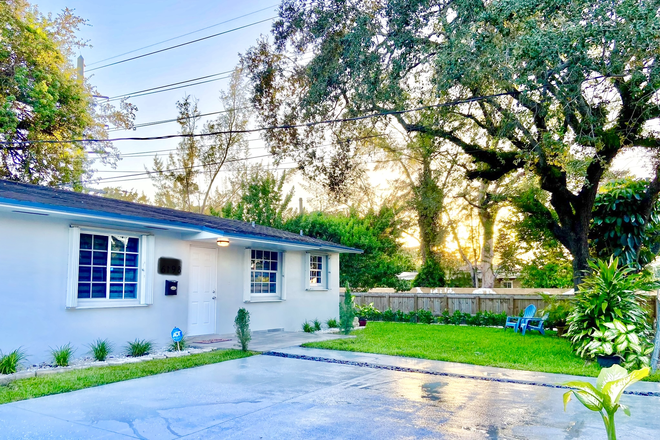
point(213, 297)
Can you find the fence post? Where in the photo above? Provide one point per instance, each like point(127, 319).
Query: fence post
point(477, 304)
point(415, 304)
point(387, 300)
point(512, 312)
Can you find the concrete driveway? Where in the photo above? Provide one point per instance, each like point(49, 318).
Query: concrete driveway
point(268, 397)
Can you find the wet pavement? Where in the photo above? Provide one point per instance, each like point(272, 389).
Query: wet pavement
point(268, 397)
point(264, 340)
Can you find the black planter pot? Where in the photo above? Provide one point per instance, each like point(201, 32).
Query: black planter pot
point(608, 361)
point(362, 321)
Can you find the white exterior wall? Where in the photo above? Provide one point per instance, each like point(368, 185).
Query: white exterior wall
point(33, 283)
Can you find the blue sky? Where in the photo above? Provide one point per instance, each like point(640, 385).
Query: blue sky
point(120, 26)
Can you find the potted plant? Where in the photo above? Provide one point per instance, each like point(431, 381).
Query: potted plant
point(558, 310)
point(615, 343)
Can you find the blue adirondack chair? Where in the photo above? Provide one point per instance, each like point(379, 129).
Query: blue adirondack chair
point(515, 321)
point(533, 324)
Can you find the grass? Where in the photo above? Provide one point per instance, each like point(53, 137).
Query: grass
point(91, 377)
point(470, 345)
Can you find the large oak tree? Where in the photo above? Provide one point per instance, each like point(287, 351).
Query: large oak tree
point(564, 85)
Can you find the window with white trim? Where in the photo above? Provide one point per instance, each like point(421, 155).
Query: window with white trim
point(507, 284)
point(108, 266)
point(265, 267)
point(317, 275)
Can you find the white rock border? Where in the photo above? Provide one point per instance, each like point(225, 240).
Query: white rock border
point(44, 368)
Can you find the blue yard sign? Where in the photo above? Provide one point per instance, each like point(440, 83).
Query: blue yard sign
point(177, 334)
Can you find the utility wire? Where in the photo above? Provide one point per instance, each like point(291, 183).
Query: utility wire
point(181, 36)
point(171, 88)
point(182, 44)
point(167, 121)
point(169, 85)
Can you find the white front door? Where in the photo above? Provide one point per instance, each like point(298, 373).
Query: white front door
point(201, 296)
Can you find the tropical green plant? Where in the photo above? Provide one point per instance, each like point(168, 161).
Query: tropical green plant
point(388, 315)
point(367, 311)
point(604, 397)
point(308, 327)
point(10, 362)
point(606, 295)
point(619, 339)
point(242, 327)
point(62, 355)
point(557, 308)
point(425, 316)
point(332, 323)
point(100, 349)
point(139, 347)
point(346, 312)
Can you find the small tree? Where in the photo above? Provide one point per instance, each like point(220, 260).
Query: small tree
point(346, 312)
point(242, 326)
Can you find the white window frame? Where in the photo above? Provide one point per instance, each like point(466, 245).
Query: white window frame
point(280, 285)
point(325, 271)
point(507, 284)
point(146, 265)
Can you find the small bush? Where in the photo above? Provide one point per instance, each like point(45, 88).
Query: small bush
point(346, 312)
point(332, 323)
point(242, 326)
point(317, 325)
point(388, 315)
point(425, 316)
point(139, 347)
point(178, 346)
point(62, 355)
point(308, 327)
point(456, 318)
point(368, 312)
point(430, 274)
point(100, 349)
point(9, 362)
point(445, 317)
point(399, 316)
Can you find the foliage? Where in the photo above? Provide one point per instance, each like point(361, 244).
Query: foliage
point(262, 201)
point(619, 226)
point(558, 310)
point(604, 397)
point(10, 362)
point(376, 233)
point(332, 323)
point(388, 315)
point(62, 355)
point(548, 269)
point(242, 327)
point(606, 295)
point(126, 195)
point(100, 349)
point(43, 100)
point(317, 325)
point(425, 317)
point(179, 346)
point(430, 275)
point(90, 377)
point(367, 311)
point(346, 312)
point(619, 339)
point(139, 347)
point(308, 327)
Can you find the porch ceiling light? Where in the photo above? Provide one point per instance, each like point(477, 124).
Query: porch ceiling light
point(222, 242)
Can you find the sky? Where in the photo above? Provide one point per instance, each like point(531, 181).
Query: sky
point(120, 26)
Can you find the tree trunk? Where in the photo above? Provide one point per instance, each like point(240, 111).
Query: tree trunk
point(428, 204)
point(487, 218)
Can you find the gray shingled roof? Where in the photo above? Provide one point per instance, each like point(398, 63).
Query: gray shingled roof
point(70, 201)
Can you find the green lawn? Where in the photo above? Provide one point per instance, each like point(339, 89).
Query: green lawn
point(78, 379)
point(471, 345)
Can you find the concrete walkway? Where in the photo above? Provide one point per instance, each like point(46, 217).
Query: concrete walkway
point(281, 398)
point(265, 340)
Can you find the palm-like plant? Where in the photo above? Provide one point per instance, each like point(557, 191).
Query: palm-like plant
point(604, 397)
point(606, 295)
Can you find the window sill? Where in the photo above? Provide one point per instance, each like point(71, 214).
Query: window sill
point(106, 305)
point(317, 289)
point(264, 300)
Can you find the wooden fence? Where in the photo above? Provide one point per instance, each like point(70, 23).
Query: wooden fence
point(466, 303)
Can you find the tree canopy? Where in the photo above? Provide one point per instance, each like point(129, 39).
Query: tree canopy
point(563, 86)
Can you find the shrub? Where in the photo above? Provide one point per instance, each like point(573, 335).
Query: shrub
point(388, 315)
point(425, 316)
point(368, 312)
point(558, 310)
point(445, 317)
point(332, 323)
point(457, 318)
point(606, 295)
point(430, 275)
point(346, 312)
point(317, 325)
point(10, 362)
point(62, 355)
point(242, 326)
point(399, 316)
point(100, 349)
point(307, 327)
point(139, 347)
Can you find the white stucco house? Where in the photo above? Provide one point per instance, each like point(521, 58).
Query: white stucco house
point(76, 267)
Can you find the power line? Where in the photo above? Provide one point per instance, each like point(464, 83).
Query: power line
point(169, 85)
point(171, 88)
point(183, 35)
point(167, 121)
point(182, 44)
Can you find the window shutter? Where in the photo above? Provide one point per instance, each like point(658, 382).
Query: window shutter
point(328, 272)
point(72, 278)
point(306, 270)
point(147, 264)
point(247, 276)
point(282, 275)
